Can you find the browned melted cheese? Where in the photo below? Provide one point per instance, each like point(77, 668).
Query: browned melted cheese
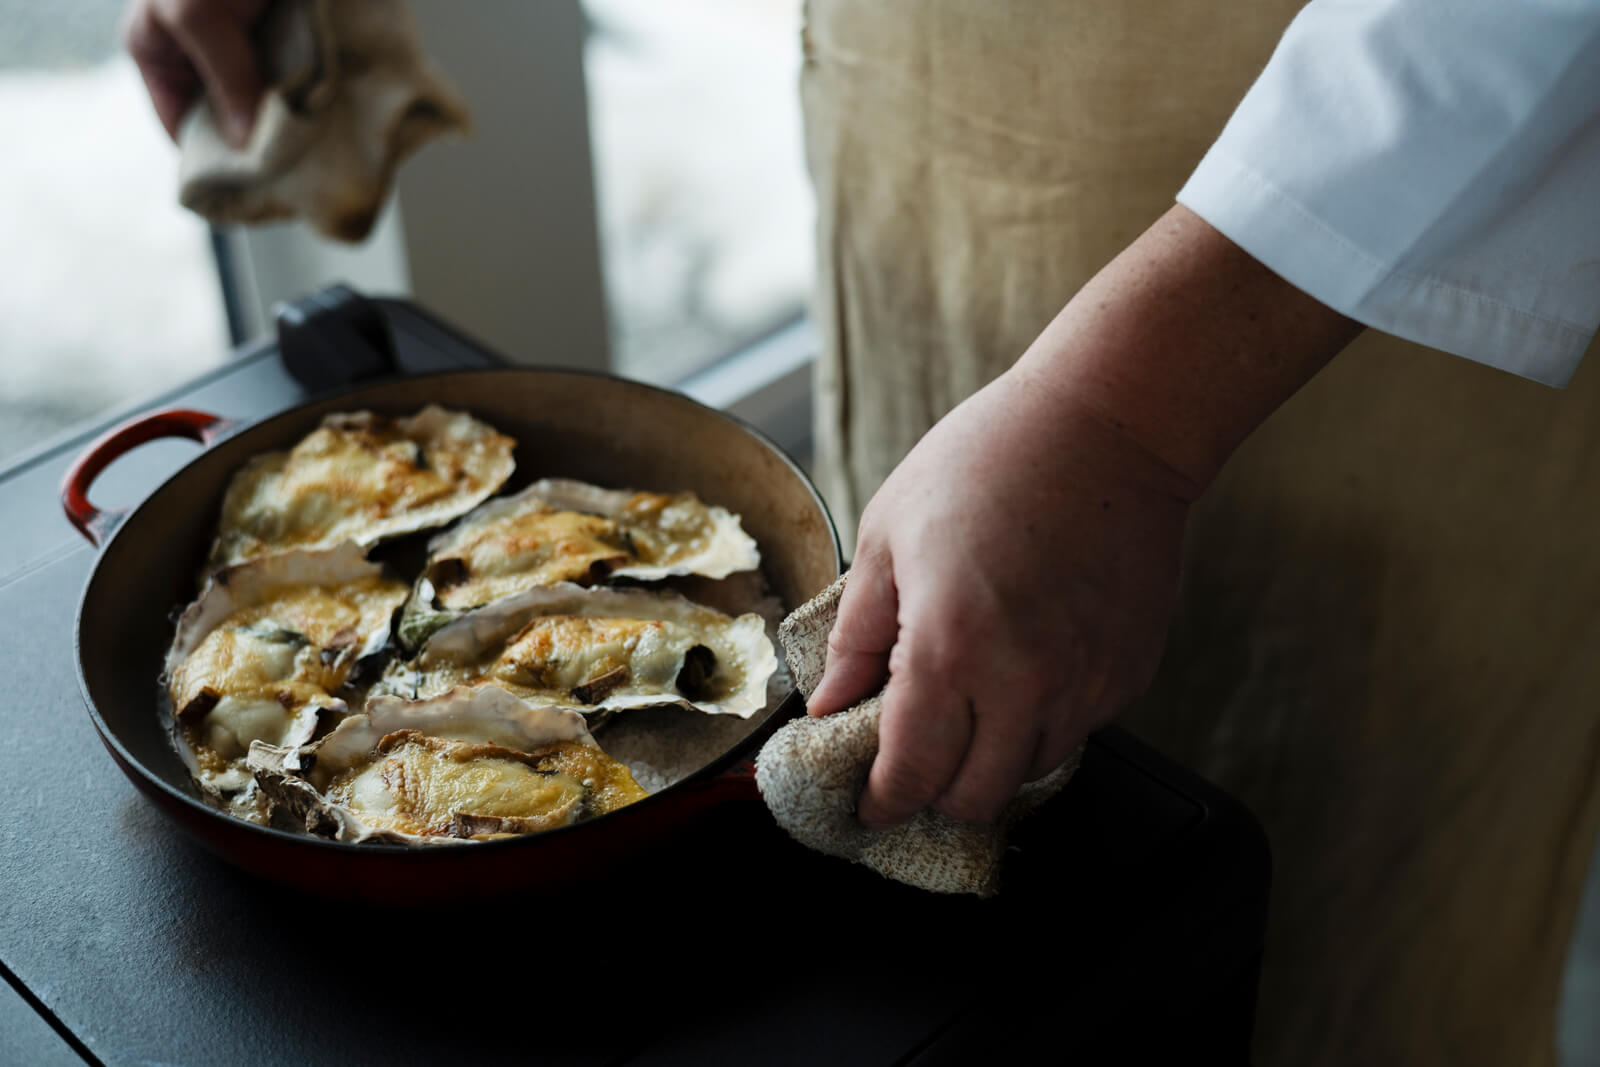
point(666, 523)
point(538, 547)
point(561, 652)
point(578, 658)
point(300, 642)
point(263, 664)
point(433, 787)
point(543, 546)
point(349, 477)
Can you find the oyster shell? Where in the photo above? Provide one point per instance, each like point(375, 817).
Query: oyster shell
point(471, 764)
point(361, 477)
point(263, 653)
point(559, 530)
point(599, 650)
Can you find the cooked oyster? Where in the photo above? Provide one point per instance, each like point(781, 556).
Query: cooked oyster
point(601, 650)
point(559, 530)
point(263, 653)
point(472, 764)
point(361, 477)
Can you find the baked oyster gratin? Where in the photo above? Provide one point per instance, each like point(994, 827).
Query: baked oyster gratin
point(361, 477)
point(598, 650)
point(472, 764)
point(266, 653)
point(485, 732)
point(559, 530)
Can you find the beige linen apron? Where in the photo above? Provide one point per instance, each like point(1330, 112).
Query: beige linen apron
point(1389, 640)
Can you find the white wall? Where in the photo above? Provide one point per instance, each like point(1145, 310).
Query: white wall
point(500, 230)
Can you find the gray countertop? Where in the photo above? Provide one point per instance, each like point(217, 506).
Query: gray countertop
point(732, 944)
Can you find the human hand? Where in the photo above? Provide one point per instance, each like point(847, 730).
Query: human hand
point(1014, 577)
point(182, 46)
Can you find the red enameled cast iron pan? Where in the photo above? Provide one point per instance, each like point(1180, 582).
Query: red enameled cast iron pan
point(568, 424)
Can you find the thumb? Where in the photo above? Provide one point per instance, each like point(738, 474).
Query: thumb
point(862, 635)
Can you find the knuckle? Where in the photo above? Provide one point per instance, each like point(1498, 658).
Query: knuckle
point(868, 523)
point(907, 786)
point(900, 658)
point(970, 809)
point(926, 653)
point(839, 642)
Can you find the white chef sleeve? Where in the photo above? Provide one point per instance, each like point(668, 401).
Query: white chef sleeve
point(1430, 168)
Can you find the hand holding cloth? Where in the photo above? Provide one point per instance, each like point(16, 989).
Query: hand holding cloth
point(812, 770)
point(349, 94)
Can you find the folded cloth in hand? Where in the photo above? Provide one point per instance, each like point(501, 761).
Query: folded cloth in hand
point(348, 95)
point(811, 771)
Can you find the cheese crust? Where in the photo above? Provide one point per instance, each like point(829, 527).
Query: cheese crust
point(361, 477)
point(435, 787)
point(559, 530)
point(269, 669)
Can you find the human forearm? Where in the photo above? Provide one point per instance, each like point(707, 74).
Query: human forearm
point(1185, 343)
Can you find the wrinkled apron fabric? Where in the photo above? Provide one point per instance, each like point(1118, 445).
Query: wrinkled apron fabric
point(1389, 639)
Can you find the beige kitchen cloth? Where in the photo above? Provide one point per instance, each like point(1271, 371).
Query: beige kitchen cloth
point(349, 94)
point(812, 770)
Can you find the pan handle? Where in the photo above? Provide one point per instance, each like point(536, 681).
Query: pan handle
point(97, 524)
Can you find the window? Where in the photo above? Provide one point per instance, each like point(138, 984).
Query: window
point(108, 289)
point(705, 210)
point(687, 112)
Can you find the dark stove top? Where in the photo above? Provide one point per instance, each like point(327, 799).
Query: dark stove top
point(1130, 923)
